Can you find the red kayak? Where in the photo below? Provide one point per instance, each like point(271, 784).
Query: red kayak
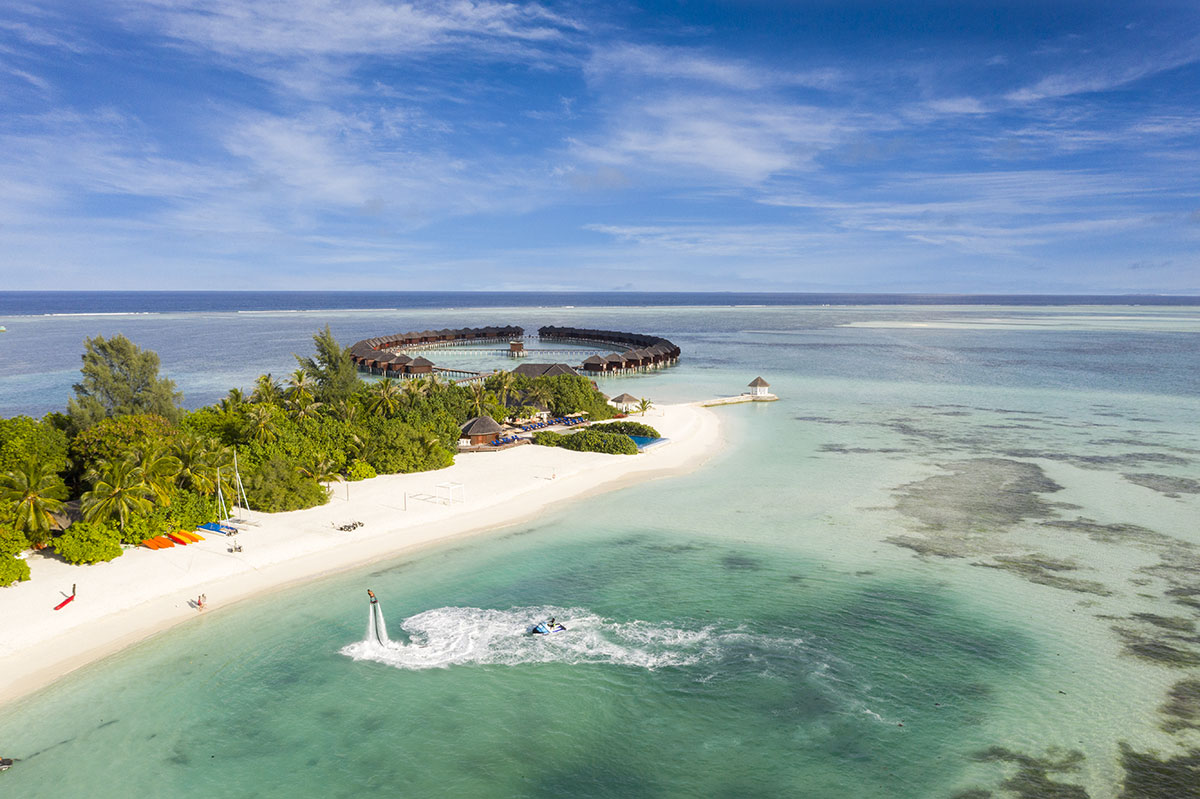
point(64, 603)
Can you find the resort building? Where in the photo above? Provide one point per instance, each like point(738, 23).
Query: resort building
point(625, 403)
point(479, 430)
point(758, 387)
point(544, 369)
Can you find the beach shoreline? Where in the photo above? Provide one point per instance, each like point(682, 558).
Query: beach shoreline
point(143, 593)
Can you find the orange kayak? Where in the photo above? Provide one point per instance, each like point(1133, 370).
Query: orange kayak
point(186, 536)
point(196, 536)
point(150, 543)
point(164, 542)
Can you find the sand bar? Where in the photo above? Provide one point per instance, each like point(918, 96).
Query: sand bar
point(146, 591)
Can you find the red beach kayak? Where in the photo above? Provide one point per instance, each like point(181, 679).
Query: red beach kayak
point(65, 602)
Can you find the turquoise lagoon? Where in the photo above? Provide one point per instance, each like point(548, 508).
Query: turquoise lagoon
point(958, 558)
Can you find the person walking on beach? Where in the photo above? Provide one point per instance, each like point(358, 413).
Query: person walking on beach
point(200, 602)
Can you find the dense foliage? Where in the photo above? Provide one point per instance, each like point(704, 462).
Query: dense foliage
point(12, 570)
point(589, 440)
point(120, 378)
point(89, 542)
point(23, 438)
point(134, 465)
point(629, 428)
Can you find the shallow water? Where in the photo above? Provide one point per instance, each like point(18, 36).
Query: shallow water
point(946, 560)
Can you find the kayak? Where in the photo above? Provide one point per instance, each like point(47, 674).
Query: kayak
point(65, 602)
point(542, 628)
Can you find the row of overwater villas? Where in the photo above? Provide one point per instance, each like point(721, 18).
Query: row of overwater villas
point(383, 354)
point(645, 352)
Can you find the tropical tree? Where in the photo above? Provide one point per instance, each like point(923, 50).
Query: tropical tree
point(504, 382)
point(159, 469)
point(301, 386)
point(120, 378)
point(233, 401)
point(260, 424)
point(196, 471)
point(119, 490)
point(303, 406)
point(37, 491)
point(348, 410)
point(644, 405)
point(332, 368)
point(480, 397)
point(320, 469)
point(538, 394)
point(266, 390)
point(385, 398)
point(413, 389)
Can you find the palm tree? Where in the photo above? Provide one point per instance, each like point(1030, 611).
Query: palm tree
point(322, 470)
point(266, 390)
point(413, 389)
point(118, 489)
point(199, 460)
point(233, 401)
point(480, 396)
point(301, 386)
point(504, 382)
point(260, 423)
point(303, 406)
point(644, 405)
point(385, 398)
point(539, 394)
point(159, 469)
point(347, 410)
point(38, 491)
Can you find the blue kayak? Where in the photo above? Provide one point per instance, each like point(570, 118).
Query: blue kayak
point(543, 628)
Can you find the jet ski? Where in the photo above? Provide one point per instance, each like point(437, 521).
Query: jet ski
point(544, 628)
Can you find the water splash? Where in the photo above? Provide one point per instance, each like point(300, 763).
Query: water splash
point(376, 626)
point(455, 636)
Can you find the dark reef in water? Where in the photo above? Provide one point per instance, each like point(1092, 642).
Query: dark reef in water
point(1182, 707)
point(1148, 777)
point(1032, 779)
point(1045, 571)
point(979, 495)
point(1165, 484)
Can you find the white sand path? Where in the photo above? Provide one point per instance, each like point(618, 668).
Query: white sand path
point(146, 591)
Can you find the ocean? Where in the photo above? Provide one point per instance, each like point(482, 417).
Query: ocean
point(958, 558)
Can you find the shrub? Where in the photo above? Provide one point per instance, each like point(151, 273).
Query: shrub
point(12, 541)
point(187, 511)
point(277, 486)
point(547, 438)
point(629, 429)
point(360, 470)
point(23, 438)
point(89, 542)
point(12, 570)
point(591, 440)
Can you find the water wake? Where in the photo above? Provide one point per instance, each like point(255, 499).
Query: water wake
point(456, 636)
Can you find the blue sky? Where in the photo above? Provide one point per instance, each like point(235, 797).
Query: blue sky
point(963, 146)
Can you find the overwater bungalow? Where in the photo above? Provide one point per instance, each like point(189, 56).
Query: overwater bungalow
point(544, 369)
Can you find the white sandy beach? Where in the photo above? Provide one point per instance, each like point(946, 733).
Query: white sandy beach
point(145, 591)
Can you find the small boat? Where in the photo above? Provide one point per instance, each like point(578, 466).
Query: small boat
point(5, 762)
point(544, 628)
point(150, 543)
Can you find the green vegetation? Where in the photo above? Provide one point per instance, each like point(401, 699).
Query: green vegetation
point(589, 440)
point(89, 542)
point(127, 463)
point(629, 429)
point(119, 378)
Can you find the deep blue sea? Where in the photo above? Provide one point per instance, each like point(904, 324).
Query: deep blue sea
point(959, 558)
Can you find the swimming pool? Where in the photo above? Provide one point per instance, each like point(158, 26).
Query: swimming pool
point(646, 441)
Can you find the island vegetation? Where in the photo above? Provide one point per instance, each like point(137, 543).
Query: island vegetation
point(126, 462)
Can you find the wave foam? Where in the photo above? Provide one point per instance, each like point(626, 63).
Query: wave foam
point(454, 636)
